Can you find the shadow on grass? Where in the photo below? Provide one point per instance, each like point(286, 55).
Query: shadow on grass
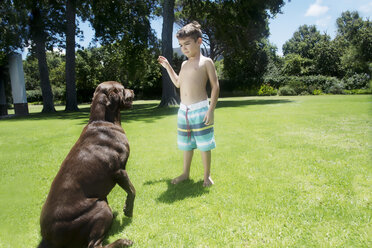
point(82, 114)
point(147, 112)
point(180, 191)
point(140, 112)
point(117, 226)
point(247, 102)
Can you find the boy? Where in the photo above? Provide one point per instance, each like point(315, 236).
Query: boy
point(195, 116)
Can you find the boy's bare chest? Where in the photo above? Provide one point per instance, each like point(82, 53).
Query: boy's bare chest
point(193, 72)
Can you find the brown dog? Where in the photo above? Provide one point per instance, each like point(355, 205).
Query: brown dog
point(76, 212)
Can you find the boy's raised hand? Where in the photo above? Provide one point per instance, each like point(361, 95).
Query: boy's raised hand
point(163, 61)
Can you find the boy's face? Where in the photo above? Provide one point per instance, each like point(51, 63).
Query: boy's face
point(189, 46)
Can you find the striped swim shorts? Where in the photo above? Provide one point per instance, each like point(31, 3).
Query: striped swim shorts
point(192, 132)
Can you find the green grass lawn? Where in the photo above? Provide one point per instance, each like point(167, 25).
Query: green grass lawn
point(288, 172)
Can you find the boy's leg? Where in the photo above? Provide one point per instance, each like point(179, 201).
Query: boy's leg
point(207, 157)
point(187, 158)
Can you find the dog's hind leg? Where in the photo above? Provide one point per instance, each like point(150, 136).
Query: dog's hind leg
point(119, 243)
point(100, 220)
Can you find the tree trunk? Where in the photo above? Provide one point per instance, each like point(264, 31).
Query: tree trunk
point(169, 95)
point(38, 35)
point(71, 98)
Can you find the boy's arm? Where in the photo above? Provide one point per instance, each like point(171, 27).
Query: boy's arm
point(172, 74)
point(215, 90)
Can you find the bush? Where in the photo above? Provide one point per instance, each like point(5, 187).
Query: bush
point(333, 85)
point(59, 93)
point(299, 87)
point(34, 95)
point(321, 84)
point(303, 84)
point(266, 90)
point(358, 91)
point(286, 91)
point(317, 92)
point(357, 81)
point(276, 82)
point(336, 89)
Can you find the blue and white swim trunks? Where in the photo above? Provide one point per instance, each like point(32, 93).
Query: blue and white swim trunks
point(192, 132)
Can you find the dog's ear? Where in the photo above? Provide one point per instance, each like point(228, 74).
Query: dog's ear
point(99, 104)
point(106, 97)
point(113, 99)
point(128, 94)
point(100, 96)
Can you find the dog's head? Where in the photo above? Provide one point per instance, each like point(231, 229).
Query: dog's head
point(113, 95)
point(109, 97)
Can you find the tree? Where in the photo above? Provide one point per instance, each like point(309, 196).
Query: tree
point(56, 68)
point(39, 20)
point(201, 11)
point(354, 39)
point(44, 26)
point(275, 62)
point(296, 65)
point(236, 30)
point(89, 70)
point(304, 41)
point(326, 58)
point(129, 63)
point(12, 37)
point(47, 25)
point(241, 29)
point(309, 52)
point(113, 21)
point(227, 24)
point(129, 44)
point(349, 25)
point(116, 20)
point(13, 33)
point(169, 95)
point(71, 98)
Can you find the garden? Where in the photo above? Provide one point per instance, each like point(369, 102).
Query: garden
point(289, 171)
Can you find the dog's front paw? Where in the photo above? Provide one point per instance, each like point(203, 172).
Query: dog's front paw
point(128, 211)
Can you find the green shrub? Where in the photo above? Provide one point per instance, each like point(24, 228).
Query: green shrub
point(276, 81)
point(317, 92)
point(330, 85)
point(333, 85)
point(219, 69)
point(358, 91)
point(299, 87)
point(266, 90)
point(336, 89)
point(304, 84)
point(34, 95)
point(286, 91)
point(252, 91)
point(357, 81)
point(59, 93)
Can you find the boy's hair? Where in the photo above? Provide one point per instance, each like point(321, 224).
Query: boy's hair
point(192, 30)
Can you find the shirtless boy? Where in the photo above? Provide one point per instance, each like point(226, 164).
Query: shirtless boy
point(196, 115)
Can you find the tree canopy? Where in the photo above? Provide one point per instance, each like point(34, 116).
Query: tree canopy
point(235, 37)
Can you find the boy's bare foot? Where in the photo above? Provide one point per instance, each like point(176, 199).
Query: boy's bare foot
point(208, 182)
point(180, 179)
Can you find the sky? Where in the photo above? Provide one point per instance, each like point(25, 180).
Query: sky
point(322, 13)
